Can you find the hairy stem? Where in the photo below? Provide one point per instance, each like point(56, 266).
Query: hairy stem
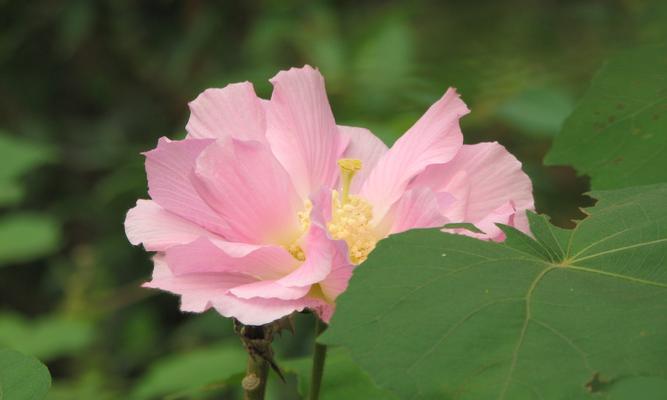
point(254, 382)
point(319, 357)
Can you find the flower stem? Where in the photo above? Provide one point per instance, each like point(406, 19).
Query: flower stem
point(319, 357)
point(254, 382)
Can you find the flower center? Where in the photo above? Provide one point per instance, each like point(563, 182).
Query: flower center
point(351, 215)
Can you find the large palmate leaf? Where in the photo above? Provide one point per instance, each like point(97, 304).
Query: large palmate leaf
point(618, 132)
point(22, 377)
point(433, 315)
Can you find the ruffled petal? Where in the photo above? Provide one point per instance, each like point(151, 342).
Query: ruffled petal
point(302, 131)
point(434, 139)
point(206, 256)
point(234, 111)
point(417, 208)
point(201, 291)
point(338, 279)
point(249, 188)
point(169, 168)
point(485, 177)
point(269, 290)
point(363, 146)
point(502, 215)
point(259, 311)
point(158, 229)
point(320, 251)
point(197, 291)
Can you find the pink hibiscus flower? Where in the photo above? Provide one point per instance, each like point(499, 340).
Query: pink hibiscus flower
point(267, 206)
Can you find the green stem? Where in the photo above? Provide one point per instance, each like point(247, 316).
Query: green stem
point(319, 357)
point(254, 382)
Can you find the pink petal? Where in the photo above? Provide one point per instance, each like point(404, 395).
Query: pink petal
point(417, 208)
point(205, 256)
point(485, 176)
point(338, 279)
point(263, 311)
point(249, 188)
point(434, 139)
point(322, 207)
point(363, 146)
point(302, 130)
point(233, 111)
point(320, 251)
point(201, 291)
point(160, 268)
point(270, 289)
point(458, 186)
point(197, 291)
point(501, 215)
point(169, 168)
point(158, 229)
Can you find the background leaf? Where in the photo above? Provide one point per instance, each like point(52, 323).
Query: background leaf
point(45, 338)
point(538, 111)
point(18, 156)
point(342, 378)
point(189, 372)
point(616, 134)
point(432, 315)
point(22, 377)
point(26, 236)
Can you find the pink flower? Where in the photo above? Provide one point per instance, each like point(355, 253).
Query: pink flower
point(267, 206)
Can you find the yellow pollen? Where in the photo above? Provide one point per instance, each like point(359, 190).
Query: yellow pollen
point(304, 223)
point(348, 168)
point(304, 216)
point(351, 215)
point(297, 252)
point(350, 221)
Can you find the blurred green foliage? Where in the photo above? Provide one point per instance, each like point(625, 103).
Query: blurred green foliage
point(344, 379)
point(86, 86)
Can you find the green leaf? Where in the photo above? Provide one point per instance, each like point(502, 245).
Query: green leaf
point(22, 377)
point(26, 236)
point(342, 378)
point(192, 371)
point(616, 134)
point(538, 111)
point(641, 387)
point(433, 315)
point(18, 156)
point(45, 338)
point(464, 225)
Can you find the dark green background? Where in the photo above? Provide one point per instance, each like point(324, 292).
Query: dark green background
point(97, 82)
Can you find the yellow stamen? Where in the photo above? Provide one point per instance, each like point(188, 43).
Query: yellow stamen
point(350, 221)
point(304, 216)
point(351, 215)
point(304, 223)
point(297, 252)
point(348, 168)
